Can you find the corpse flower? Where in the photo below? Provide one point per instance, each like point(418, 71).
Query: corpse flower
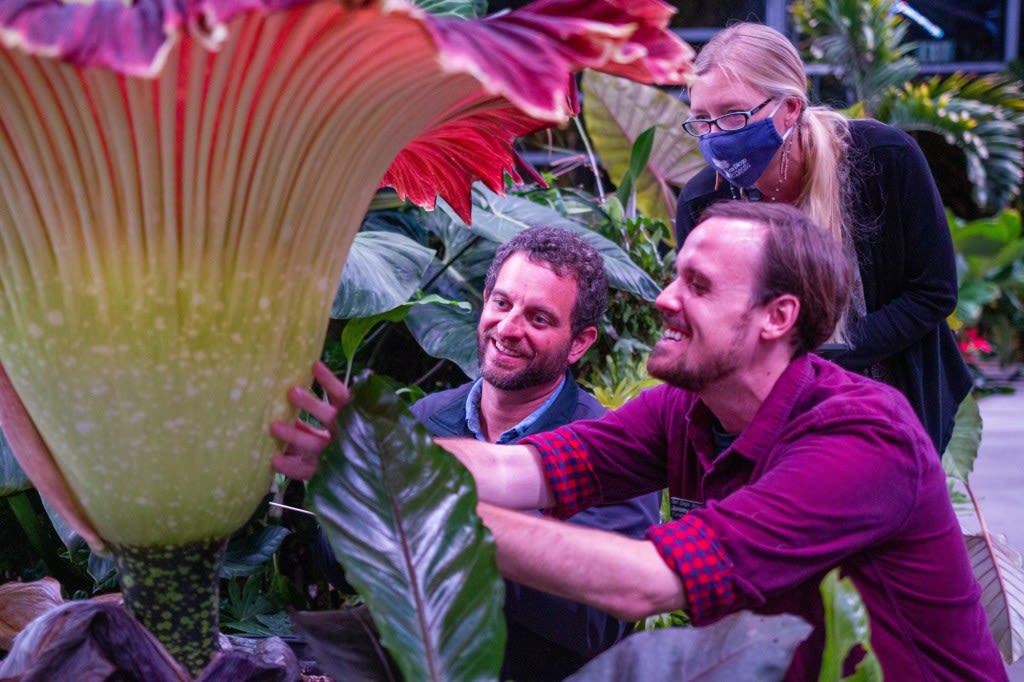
point(180, 181)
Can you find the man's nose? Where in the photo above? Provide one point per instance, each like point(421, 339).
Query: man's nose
point(511, 325)
point(670, 299)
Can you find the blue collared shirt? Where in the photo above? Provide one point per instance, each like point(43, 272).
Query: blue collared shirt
point(516, 432)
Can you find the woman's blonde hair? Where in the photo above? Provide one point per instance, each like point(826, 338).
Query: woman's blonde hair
point(767, 60)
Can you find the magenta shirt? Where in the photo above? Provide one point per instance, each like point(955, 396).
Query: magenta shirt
point(834, 470)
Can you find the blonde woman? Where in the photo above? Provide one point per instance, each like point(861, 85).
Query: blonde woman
point(865, 183)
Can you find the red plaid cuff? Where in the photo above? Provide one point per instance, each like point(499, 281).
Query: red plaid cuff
point(690, 548)
point(567, 467)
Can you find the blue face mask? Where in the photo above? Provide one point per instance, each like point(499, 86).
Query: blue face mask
point(743, 155)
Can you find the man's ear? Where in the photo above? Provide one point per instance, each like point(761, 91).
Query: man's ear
point(781, 316)
point(582, 343)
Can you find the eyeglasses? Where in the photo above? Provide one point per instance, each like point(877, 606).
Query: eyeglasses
point(734, 120)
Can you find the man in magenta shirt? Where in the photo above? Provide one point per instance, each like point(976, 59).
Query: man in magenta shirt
point(780, 466)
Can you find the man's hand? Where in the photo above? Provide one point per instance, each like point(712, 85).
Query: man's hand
point(303, 442)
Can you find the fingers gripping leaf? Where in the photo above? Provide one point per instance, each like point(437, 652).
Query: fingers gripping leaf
point(400, 514)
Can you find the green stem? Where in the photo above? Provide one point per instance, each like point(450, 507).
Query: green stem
point(25, 514)
point(173, 592)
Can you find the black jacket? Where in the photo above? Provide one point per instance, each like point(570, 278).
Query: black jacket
point(907, 266)
point(549, 637)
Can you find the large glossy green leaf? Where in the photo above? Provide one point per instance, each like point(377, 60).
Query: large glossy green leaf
point(502, 217)
point(741, 646)
point(383, 270)
point(246, 554)
point(444, 331)
point(399, 513)
point(12, 478)
point(617, 111)
point(846, 625)
point(997, 566)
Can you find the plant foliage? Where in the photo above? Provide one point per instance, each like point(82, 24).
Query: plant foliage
point(399, 513)
point(996, 565)
point(617, 112)
point(847, 625)
point(741, 646)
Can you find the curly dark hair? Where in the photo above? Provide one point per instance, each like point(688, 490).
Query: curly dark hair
point(567, 254)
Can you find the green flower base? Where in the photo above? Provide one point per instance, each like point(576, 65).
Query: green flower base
point(174, 592)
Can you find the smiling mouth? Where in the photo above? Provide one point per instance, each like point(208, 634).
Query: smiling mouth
point(674, 334)
point(506, 350)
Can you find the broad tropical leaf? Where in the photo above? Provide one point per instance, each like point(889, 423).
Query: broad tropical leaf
point(247, 554)
point(445, 331)
point(12, 478)
point(1001, 576)
point(741, 646)
point(847, 625)
point(399, 513)
point(383, 270)
point(962, 450)
point(617, 111)
point(502, 217)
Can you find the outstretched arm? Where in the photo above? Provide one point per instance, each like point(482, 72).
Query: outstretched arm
point(619, 575)
point(507, 475)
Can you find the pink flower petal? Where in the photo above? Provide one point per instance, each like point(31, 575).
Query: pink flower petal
point(130, 38)
point(35, 458)
point(528, 54)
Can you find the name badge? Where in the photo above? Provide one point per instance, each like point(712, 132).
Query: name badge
point(679, 507)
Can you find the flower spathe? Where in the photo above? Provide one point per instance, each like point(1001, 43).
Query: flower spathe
point(170, 244)
point(180, 182)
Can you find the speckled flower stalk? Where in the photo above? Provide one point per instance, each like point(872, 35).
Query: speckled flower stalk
point(180, 181)
point(173, 590)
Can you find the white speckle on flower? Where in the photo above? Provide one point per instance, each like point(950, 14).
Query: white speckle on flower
point(256, 454)
point(159, 324)
point(174, 424)
point(55, 317)
point(236, 394)
point(210, 444)
point(99, 389)
point(102, 350)
point(84, 427)
point(321, 285)
point(35, 330)
point(219, 493)
point(264, 303)
point(141, 500)
point(236, 338)
point(136, 417)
